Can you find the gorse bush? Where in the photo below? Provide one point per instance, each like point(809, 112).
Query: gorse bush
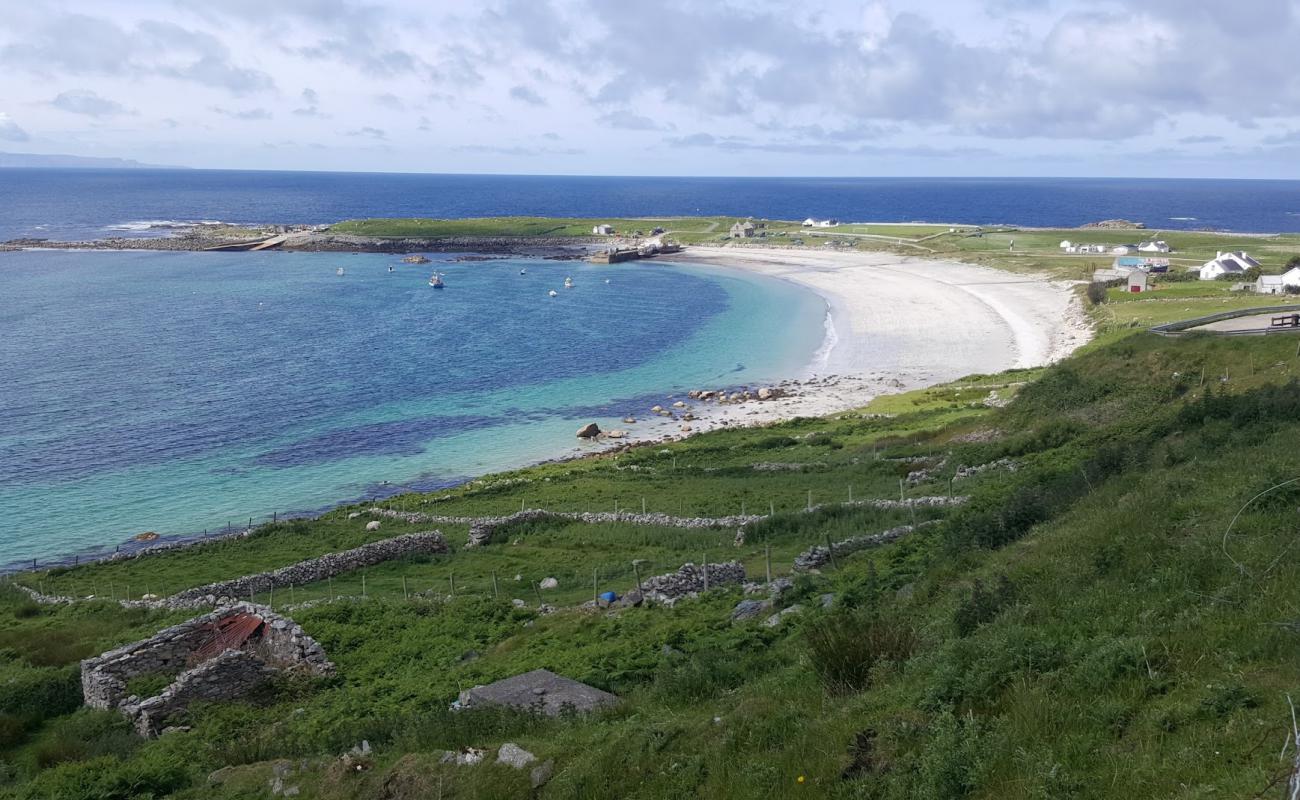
point(844, 647)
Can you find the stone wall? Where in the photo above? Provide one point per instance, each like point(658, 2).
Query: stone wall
point(309, 571)
point(817, 557)
point(690, 580)
point(280, 645)
point(481, 529)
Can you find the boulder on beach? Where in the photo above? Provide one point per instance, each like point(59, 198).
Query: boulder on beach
point(679, 404)
point(615, 434)
point(656, 409)
point(629, 420)
point(589, 431)
point(768, 393)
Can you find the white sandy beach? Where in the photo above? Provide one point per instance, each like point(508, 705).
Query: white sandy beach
point(898, 323)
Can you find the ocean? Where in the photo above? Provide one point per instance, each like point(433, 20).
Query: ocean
point(82, 203)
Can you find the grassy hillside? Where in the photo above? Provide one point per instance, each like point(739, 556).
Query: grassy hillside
point(1114, 618)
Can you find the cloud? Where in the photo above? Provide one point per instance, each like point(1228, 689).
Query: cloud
point(310, 104)
point(248, 115)
point(737, 144)
point(1200, 139)
point(79, 44)
point(81, 101)
point(390, 101)
point(519, 150)
point(368, 132)
point(630, 121)
point(9, 130)
point(527, 95)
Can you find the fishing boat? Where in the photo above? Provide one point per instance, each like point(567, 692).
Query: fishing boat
point(390, 267)
point(338, 271)
point(436, 280)
point(553, 293)
point(568, 282)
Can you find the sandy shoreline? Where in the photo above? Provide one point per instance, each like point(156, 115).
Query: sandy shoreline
point(897, 323)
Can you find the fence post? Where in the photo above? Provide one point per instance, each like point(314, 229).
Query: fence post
point(831, 550)
point(451, 579)
point(595, 586)
point(331, 589)
point(900, 490)
point(642, 506)
point(705, 561)
point(636, 570)
point(363, 584)
point(767, 557)
point(850, 493)
point(810, 499)
point(405, 595)
point(538, 590)
point(771, 508)
point(496, 593)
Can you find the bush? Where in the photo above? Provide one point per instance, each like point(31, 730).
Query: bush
point(983, 605)
point(844, 647)
point(109, 778)
point(1096, 293)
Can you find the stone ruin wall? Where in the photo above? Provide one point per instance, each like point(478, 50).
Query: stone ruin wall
point(231, 674)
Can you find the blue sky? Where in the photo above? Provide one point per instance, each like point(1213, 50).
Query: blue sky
point(885, 87)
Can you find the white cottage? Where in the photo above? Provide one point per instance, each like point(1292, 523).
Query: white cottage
point(1227, 264)
point(1154, 246)
point(603, 230)
point(1067, 246)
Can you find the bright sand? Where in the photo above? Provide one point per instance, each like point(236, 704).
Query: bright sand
point(897, 323)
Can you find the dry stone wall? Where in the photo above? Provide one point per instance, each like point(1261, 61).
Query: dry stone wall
point(690, 579)
point(817, 557)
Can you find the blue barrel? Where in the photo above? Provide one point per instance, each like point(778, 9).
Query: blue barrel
point(609, 597)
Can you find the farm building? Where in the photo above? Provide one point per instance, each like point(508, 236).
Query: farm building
point(1138, 281)
point(1154, 246)
point(603, 230)
point(742, 230)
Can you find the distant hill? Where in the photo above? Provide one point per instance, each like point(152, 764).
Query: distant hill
point(49, 161)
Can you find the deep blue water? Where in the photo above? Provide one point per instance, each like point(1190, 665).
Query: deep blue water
point(67, 204)
point(175, 392)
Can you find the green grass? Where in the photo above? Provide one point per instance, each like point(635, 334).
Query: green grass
point(1083, 628)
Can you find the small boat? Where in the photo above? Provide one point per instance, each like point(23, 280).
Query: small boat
point(338, 271)
point(436, 280)
point(553, 293)
point(568, 282)
point(523, 271)
point(607, 280)
point(390, 267)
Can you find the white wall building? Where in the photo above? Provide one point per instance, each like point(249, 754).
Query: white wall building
point(1227, 264)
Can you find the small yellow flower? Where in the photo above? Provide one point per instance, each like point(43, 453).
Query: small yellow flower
point(799, 779)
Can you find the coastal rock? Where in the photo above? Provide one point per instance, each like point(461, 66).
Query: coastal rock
point(629, 420)
point(615, 434)
point(589, 431)
point(679, 404)
point(768, 393)
point(372, 525)
point(656, 409)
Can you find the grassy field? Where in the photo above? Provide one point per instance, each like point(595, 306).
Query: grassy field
point(1092, 624)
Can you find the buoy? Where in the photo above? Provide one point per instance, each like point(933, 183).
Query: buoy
point(553, 293)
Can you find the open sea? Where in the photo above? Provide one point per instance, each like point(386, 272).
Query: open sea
point(178, 392)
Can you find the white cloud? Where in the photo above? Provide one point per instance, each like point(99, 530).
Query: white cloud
point(88, 103)
point(9, 130)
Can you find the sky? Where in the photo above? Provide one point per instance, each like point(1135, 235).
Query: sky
point(1194, 88)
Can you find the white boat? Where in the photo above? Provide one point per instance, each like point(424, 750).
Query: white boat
point(390, 267)
point(553, 293)
point(338, 271)
point(568, 282)
point(523, 271)
point(436, 280)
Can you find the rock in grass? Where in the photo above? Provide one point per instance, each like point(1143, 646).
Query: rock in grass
point(748, 609)
point(542, 773)
point(515, 756)
point(779, 617)
point(372, 525)
point(549, 583)
point(589, 431)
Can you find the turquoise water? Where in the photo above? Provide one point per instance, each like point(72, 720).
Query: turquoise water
point(177, 392)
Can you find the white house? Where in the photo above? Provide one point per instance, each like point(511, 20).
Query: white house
point(809, 223)
point(828, 223)
point(1278, 284)
point(1227, 264)
point(603, 230)
point(742, 230)
point(1067, 246)
point(1154, 246)
point(1124, 249)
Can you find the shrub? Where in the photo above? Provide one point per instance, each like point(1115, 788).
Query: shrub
point(1096, 293)
point(983, 605)
point(844, 647)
